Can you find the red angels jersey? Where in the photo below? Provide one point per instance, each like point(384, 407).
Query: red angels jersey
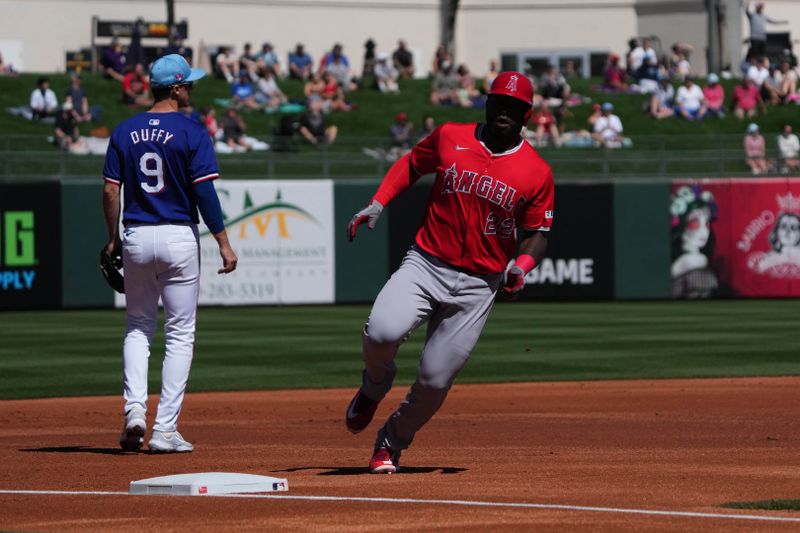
point(479, 198)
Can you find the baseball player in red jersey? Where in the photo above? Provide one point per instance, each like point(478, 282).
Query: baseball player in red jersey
point(490, 183)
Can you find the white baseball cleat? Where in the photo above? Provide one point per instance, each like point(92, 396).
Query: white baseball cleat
point(133, 431)
point(169, 442)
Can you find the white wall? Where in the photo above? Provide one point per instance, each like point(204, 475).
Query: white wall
point(48, 28)
point(485, 28)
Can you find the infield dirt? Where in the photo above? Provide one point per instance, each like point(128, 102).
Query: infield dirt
point(680, 446)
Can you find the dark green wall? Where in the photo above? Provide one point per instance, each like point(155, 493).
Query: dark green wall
point(362, 266)
point(641, 241)
point(83, 233)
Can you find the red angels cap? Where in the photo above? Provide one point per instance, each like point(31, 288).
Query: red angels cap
point(513, 84)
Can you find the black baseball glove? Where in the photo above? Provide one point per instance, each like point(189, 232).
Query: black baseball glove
point(110, 267)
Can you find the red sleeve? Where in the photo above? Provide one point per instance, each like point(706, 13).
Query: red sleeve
point(422, 160)
point(126, 82)
point(538, 215)
point(399, 178)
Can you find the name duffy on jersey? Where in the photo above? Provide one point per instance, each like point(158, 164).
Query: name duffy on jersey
point(151, 135)
point(487, 187)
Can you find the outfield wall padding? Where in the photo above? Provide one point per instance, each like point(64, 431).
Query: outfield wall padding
point(362, 265)
point(83, 233)
point(641, 241)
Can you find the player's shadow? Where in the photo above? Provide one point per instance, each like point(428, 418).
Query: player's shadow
point(360, 470)
point(78, 449)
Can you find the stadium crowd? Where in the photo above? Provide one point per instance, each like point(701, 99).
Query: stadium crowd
point(665, 77)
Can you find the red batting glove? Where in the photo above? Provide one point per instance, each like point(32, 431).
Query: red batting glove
point(515, 281)
point(369, 215)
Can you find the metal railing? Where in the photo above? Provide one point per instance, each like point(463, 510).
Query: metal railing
point(30, 156)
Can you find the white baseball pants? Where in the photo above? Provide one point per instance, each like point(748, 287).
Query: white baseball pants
point(455, 305)
point(160, 261)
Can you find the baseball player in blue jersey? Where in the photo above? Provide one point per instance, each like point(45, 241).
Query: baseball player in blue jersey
point(165, 164)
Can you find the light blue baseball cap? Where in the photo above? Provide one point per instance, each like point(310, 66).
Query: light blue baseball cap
point(173, 69)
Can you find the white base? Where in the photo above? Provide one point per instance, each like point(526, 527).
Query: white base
point(207, 484)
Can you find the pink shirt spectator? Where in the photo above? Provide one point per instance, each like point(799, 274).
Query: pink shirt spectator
point(746, 97)
point(754, 146)
point(715, 96)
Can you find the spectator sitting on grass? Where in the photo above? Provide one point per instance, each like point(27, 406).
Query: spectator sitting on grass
point(112, 63)
point(268, 94)
point(336, 52)
point(227, 65)
point(614, 78)
point(313, 127)
point(341, 71)
point(759, 73)
point(662, 101)
point(467, 91)
point(608, 128)
point(553, 87)
point(247, 61)
point(314, 86)
point(789, 147)
point(714, 95)
point(401, 131)
point(233, 128)
point(403, 60)
point(679, 66)
point(300, 63)
point(268, 58)
point(76, 96)
point(210, 121)
point(428, 125)
point(786, 81)
point(444, 87)
point(43, 101)
point(176, 46)
point(136, 87)
point(690, 101)
point(545, 128)
point(369, 58)
point(66, 132)
point(242, 92)
point(755, 150)
point(491, 74)
point(440, 58)
point(641, 58)
point(745, 98)
point(385, 74)
point(332, 95)
point(594, 116)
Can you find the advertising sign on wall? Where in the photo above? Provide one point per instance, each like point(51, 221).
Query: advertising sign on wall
point(282, 232)
point(30, 246)
point(736, 238)
point(579, 264)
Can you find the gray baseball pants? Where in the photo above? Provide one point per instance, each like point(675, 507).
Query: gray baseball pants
point(455, 304)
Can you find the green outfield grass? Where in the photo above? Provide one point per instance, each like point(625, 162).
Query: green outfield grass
point(76, 353)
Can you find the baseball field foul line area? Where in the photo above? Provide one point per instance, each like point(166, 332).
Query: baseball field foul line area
point(557, 456)
point(515, 505)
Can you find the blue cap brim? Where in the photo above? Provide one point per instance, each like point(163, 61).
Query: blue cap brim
point(196, 74)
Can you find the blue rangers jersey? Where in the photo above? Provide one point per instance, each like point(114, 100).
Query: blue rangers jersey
point(157, 158)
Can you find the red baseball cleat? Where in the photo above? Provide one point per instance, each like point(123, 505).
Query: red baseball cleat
point(360, 412)
point(384, 461)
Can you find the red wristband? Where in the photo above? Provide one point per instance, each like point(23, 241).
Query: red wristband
point(525, 262)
